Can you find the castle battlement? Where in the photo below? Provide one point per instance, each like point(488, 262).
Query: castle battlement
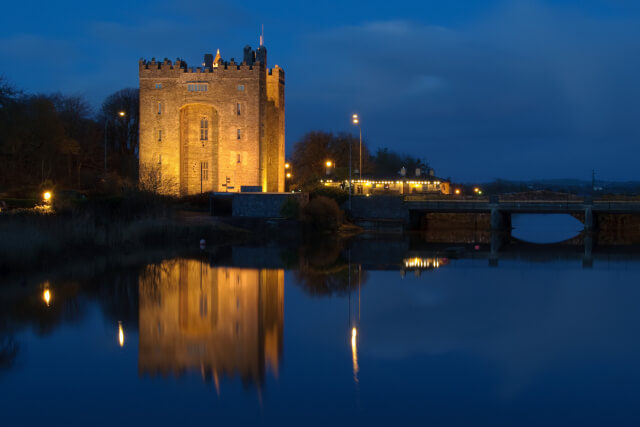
point(155, 68)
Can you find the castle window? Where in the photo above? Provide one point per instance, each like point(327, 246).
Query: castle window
point(158, 85)
point(239, 159)
point(197, 87)
point(204, 171)
point(239, 134)
point(238, 109)
point(160, 135)
point(159, 159)
point(159, 107)
point(241, 88)
point(204, 129)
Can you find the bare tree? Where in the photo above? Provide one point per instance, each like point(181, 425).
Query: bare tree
point(151, 179)
point(120, 116)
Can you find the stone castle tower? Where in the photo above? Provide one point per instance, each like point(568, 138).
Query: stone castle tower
point(219, 127)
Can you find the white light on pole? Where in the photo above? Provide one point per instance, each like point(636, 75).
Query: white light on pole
point(356, 121)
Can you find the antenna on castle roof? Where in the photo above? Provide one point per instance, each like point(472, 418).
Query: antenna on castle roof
point(262, 37)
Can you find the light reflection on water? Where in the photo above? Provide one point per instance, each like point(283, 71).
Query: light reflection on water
point(327, 342)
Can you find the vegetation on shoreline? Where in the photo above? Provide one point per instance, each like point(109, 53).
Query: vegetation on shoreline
point(127, 222)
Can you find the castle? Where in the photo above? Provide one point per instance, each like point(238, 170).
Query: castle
point(219, 127)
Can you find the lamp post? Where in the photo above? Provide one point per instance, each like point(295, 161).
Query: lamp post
point(106, 122)
point(356, 121)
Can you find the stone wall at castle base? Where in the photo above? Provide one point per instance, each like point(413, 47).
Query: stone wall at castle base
point(264, 205)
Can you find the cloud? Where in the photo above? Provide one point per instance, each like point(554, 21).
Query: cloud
point(527, 79)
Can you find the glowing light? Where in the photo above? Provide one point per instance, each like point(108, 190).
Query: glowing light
point(288, 174)
point(47, 196)
point(457, 191)
point(46, 296)
point(475, 190)
point(121, 113)
point(329, 163)
point(287, 165)
point(480, 192)
point(120, 334)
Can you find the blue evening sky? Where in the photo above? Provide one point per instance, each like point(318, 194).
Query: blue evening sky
point(479, 88)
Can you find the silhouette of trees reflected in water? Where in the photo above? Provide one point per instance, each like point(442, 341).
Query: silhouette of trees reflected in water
point(324, 269)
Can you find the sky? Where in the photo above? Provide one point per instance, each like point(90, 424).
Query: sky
point(480, 89)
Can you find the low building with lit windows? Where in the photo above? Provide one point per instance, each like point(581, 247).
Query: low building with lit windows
point(402, 185)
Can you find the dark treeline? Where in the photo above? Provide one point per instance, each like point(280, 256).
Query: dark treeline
point(570, 186)
point(58, 140)
point(311, 153)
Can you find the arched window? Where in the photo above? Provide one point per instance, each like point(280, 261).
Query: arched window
point(204, 129)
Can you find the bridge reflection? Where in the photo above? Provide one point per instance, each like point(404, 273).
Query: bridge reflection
point(219, 321)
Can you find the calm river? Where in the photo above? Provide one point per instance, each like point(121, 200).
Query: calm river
point(375, 332)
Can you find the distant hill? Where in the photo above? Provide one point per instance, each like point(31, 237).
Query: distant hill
point(563, 185)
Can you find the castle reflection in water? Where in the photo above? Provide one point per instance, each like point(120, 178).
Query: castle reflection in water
point(219, 321)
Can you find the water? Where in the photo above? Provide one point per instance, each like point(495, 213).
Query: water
point(547, 228)
point(265, 336)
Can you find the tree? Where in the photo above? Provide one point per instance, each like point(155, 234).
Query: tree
point(151, 180)
point(8, 93)
point(47, 138)
point(120, 115)
point(314, 149)
point(389, 163)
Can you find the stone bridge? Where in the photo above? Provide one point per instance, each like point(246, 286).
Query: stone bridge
point(409, 209)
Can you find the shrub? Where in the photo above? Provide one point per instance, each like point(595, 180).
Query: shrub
point(340, 196)
point(290, 208)
point(322, 214)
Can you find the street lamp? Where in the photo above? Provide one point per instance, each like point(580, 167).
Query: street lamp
point(121, 114)
point(356, 121)
point(329, 164)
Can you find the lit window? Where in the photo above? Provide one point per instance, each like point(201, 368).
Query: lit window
point(159, 135)
point(238, 109)
point(204, 171)
point(158, 85)
point(241, 88)
point(204, 129)
point(239, 134)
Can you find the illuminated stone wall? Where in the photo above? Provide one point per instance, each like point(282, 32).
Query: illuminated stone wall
point(216, 321)
point(248, 98)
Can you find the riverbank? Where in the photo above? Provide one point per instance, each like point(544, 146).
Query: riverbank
point(35, 238)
